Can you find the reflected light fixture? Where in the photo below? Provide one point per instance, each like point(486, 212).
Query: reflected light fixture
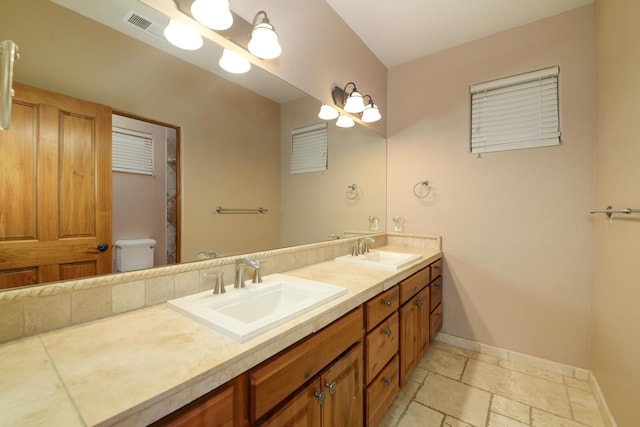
point(371, 112)
point(344, 121)
point(264, 39)
point(234, 63)
point(182, 36)
point(354, 102)
point(214, 14)
point(328, 113)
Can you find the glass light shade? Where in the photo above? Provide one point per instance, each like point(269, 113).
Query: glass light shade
point(182, 36)
point(371, 113)
point(344, 121)
point(234, 63)
point(264, 41)
point(214, 14)
point(327, 112)
point(355, 103)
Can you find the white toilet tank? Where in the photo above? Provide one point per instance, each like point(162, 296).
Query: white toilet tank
point(134, 254)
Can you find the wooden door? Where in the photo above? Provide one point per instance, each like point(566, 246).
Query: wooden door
point(302, 410)
point(343, 385)
point(55, 189)
point(408, 339)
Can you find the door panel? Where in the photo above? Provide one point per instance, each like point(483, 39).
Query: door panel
point(55, 174)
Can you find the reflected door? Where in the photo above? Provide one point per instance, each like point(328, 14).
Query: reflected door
point(55, 189)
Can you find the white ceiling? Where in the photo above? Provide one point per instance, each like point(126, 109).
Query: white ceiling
point(399, 31)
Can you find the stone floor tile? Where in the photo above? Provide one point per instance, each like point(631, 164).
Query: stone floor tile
point(443, 362)
point(588, 416)
point(418, 415)
point(582, 398)
point(399, 405)
point(533, 391)
point(579, 384)
point(461, 401)
point(418, 375)
point(452, 422)
point(510, 408)
point(497, 420)
point(545, 419)
point(464, 352)
point(530, 370)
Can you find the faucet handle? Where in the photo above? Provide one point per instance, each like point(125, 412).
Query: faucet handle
point(219, 287)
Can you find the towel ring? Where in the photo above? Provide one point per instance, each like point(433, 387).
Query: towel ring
point(422, 189)
point(353, 192)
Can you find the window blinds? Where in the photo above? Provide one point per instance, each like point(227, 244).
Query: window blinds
point(516, 112)
point(132, 151)
point(309, 148)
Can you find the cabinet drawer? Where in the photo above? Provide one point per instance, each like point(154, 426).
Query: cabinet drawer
point(435, 296)
point(414, 284)
point(277, 378)
point(213, 409)
point(435, 322)
point(436, 269)
point(382, 392)
point(381, 346)
point(380, 307)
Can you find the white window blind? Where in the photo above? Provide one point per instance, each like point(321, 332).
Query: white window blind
point(309, 148)
point(132, 151)
point(516, 112)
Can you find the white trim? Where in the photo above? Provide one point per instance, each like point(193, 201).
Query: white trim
point(520, 78)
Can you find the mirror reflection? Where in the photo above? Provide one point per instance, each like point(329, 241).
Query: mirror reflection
point(233, 133)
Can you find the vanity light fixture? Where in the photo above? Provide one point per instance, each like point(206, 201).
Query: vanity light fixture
point(214, 14)
point(264, 39)
point(344, 121)
point(234, 63)
point(371, 112)
point(354, 102)
point(182, 36)
point(328, 113)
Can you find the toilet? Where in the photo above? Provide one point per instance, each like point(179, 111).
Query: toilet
point(134, 254)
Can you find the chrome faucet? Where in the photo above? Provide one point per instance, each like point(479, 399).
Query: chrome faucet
point(240, 266)
point(361, 246)
point(219, 287)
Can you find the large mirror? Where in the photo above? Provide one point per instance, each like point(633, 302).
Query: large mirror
point(234, 131)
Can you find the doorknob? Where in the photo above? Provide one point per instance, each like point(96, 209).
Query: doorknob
point(102, 247)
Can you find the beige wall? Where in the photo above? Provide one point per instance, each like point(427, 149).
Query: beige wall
point(615, 349)
point(314, 205)
point(517, 239)
point(230, 136)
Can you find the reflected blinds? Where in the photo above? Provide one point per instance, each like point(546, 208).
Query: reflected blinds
point(309, 148)
point(132, 151)
point(516, 112)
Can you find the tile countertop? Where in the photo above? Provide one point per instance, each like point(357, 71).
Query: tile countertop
point(134, 368)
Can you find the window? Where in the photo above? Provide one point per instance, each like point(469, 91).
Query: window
point(309, 149)
point(132, 151)
point(516, 112)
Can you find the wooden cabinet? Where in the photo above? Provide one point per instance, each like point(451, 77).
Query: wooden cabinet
point(435, 303)
point(381, 392)
point(215, 409)
point(414, 321)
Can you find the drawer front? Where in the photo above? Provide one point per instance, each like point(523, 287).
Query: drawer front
point(435, 322)
point(382, 392)
point(381, 346)
point(436, 269)
point(277, 378)
point(436, 293)
point(414, 284)
point(381, 306)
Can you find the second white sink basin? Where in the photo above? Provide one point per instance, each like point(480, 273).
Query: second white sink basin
point(242, 314)
point(382, 259)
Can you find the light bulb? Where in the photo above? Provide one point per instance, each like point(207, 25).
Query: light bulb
point(344, 121)
point(264, 41)
point(234, 63)
point(182, 36)
point(355, 103)
point(371, 113)
point(327, 112)
point(214, 14)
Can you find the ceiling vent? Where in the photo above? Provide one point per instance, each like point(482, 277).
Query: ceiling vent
point(144, 24)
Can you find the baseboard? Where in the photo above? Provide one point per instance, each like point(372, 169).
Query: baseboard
point(537, 362)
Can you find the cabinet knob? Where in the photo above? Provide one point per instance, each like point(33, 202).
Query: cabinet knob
point(332, 387)
point(388, 303)
point(387, 332)
point(320, 395)
point(420, 303)
point(388, 381)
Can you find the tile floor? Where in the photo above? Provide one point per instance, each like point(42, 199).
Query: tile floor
point(455, 387)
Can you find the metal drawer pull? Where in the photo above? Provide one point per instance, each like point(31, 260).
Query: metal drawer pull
point(388, 381)
point(388, 303)
point(438, 285)
point(332, 387)
point(320, 395)
point(420, 303)
point(387, 332)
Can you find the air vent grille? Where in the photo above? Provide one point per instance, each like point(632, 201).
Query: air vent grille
point(139, 21)
point(144, 24)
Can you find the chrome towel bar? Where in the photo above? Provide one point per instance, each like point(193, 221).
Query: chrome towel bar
point(609, 211)
point(221, 210)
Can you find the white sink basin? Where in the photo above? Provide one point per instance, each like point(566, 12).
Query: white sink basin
point(382, 259)
point(242, 314)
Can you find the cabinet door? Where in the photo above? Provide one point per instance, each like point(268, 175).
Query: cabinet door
point(342, 382)
point(422, 303)
point(302, 410)
point(408, 339)
point(209, 411)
